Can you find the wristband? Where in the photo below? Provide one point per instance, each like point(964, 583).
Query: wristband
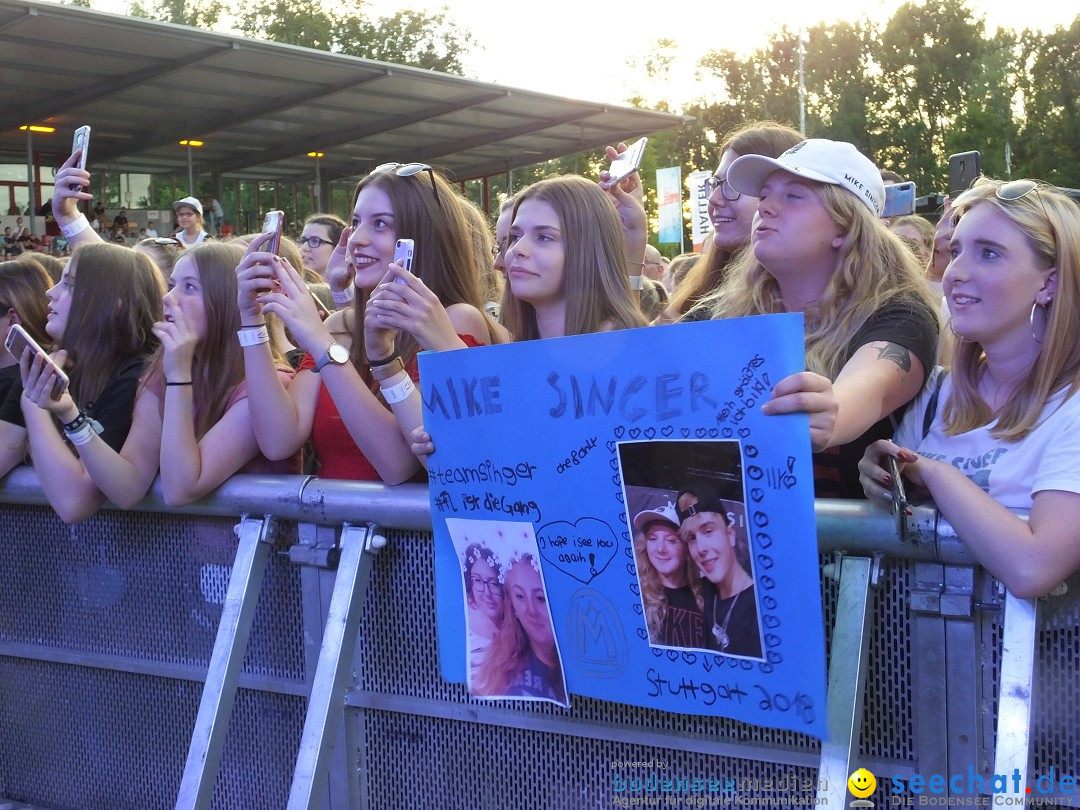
point(248, 337)
point(386, 372)
point(636, 282)
point(76, 227)
point(167, 383)
point(398, 393)
point(344, 296)
point(385, 361)
point(81, 436)
point(76, 423)
point(254, 325)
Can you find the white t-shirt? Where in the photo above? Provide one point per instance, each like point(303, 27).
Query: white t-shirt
point(1010, 472)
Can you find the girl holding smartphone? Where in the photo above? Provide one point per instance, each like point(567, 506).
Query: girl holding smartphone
point(820, 248)
point(1003, 431)
point(188, 415)
point(356, 367)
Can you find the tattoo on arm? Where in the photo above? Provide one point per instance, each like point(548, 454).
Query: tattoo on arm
point(898, 354)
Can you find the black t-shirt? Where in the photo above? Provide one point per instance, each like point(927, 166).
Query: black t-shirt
point(736, 618)
point(682, 622)
point(112, 409)
point(906, 322)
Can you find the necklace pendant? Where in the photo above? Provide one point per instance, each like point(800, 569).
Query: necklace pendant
point(721, 636)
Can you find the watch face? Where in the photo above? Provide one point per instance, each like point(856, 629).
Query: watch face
point(338, 354)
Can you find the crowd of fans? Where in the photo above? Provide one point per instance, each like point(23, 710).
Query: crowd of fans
point(305, 358)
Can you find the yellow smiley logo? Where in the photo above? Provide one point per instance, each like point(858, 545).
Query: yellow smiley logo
point(861, 783)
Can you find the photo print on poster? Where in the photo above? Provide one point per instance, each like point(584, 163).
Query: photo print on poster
point(685, 506)
point(512, 651)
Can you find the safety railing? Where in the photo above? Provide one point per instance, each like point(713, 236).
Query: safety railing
point(350, 712)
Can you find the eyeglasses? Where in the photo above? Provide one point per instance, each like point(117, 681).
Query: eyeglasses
point(313, 242)
point(408, 170)
point(1015, 189)
point(480, 585)
point(718, 182)
point(164, 240)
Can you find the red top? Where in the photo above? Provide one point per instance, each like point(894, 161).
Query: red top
point(338, 455)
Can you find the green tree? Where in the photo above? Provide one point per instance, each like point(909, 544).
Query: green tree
point(195, 13)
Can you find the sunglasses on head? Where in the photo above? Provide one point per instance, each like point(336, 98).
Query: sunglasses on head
point(1015, 189)
point(408, 170)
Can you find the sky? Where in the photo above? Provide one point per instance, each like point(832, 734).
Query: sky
point(580, 48)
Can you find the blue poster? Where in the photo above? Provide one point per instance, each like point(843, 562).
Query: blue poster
point(609, 514)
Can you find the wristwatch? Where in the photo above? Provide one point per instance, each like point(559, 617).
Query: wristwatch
point(335, 353)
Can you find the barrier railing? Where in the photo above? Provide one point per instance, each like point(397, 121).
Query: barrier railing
point(397, 711)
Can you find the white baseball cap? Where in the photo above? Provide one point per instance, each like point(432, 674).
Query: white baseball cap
point(661, 513)
point(192, 201)
point(837, 163)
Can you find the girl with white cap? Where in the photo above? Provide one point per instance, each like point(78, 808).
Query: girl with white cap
point(820, 248)
point(189, 215)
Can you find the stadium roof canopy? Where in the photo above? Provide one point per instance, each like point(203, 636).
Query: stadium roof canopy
point(261, 107)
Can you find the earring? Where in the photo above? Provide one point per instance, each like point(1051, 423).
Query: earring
point(956, 334)
point(1031, 318)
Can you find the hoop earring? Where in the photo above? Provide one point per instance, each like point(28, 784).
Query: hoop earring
point(1031, 320)
point(957, 335)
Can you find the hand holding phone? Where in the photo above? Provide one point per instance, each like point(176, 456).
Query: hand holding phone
point(403, 255)
point(18, 340)
point(627, 162)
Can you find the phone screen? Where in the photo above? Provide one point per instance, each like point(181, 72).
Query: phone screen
point(628, 162)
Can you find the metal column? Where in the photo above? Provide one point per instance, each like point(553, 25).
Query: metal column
point(1017, 674)
point(219, 692)
point(847, 679)
point(359, 544)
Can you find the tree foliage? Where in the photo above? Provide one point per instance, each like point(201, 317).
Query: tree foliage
point(929, 82)
point(428, 40)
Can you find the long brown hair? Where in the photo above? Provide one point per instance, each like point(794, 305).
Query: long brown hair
point(874, 267)
point(116, 300)
point(218, 366)
point(427, 211)
point(597, 292)
point(23, 284)
point(766, 138)
point(653, 594)
point(1051, 222)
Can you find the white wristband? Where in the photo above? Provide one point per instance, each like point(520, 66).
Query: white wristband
point(81, 436)
point(343, 296)
point(76, 227)
point(636, 282)
point(400, 392)
point(253, 337)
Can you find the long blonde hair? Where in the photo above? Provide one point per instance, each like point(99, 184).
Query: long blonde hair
point(653, 594)
point(597, 292)
point(1051, 222)
point(874, 268)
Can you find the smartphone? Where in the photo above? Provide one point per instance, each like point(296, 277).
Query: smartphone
point(403, 255)
point(899, 200)
point(18, 340)
point(628, 162)
point(274, 223)
point(899, 499)
point(964, 169)
point(81, 140)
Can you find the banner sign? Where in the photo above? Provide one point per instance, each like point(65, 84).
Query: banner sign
point(614, 517)
point(699, 208)
point(669, 204)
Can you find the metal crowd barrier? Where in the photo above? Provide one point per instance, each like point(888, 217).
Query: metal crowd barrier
point(165, 658)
